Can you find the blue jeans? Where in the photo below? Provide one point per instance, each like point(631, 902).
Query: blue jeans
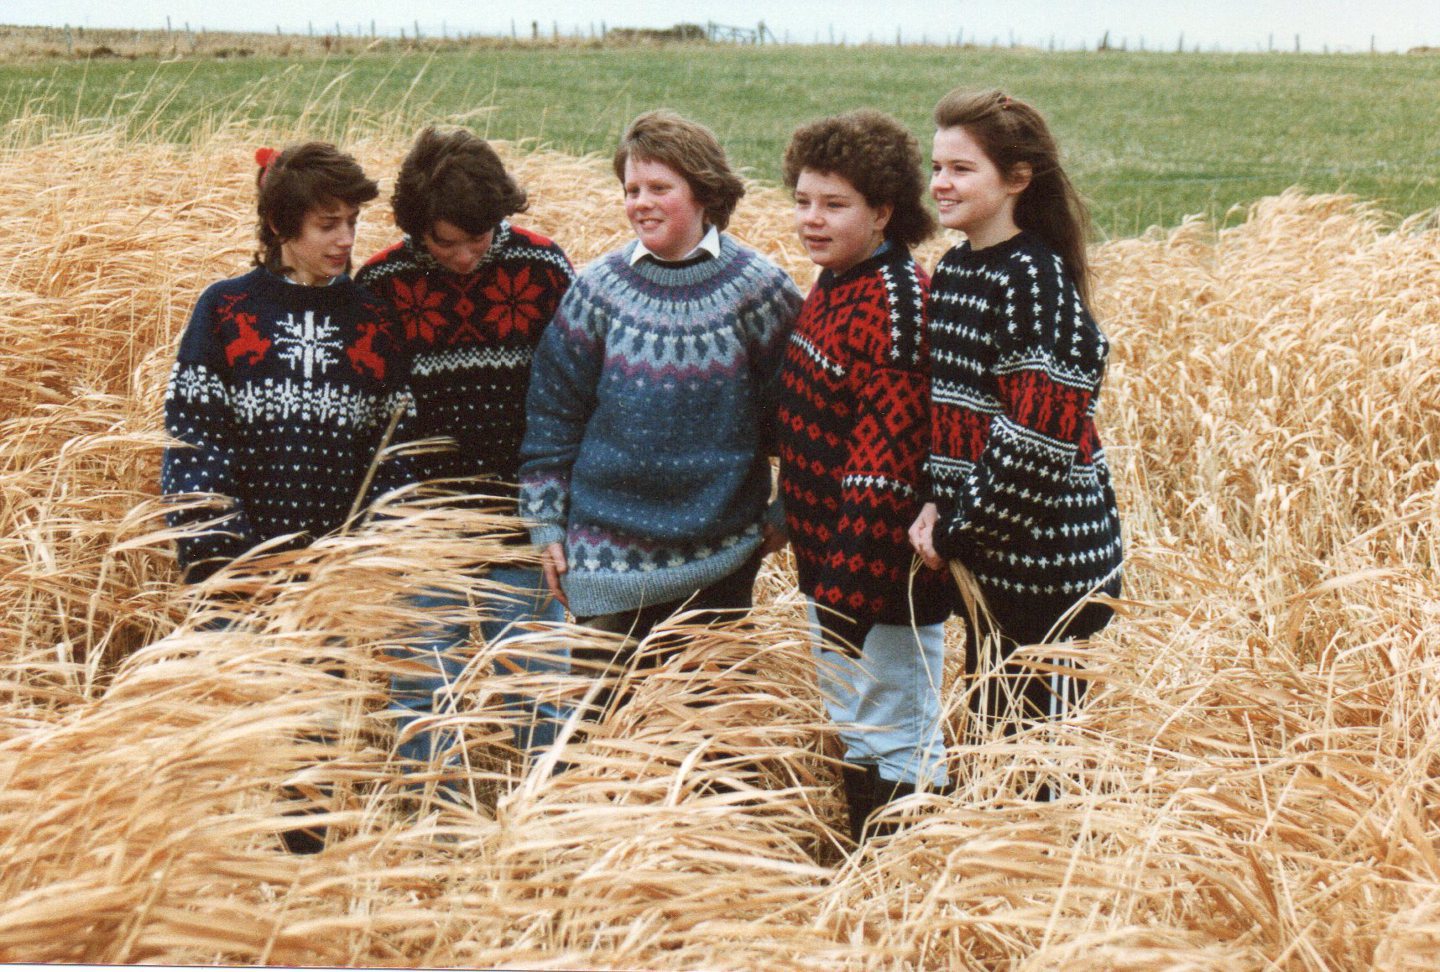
point(415, 695)
point(886, 703)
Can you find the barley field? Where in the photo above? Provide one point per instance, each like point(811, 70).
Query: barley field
point(1251, 783)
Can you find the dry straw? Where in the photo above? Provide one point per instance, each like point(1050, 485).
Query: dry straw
point(1249, 785)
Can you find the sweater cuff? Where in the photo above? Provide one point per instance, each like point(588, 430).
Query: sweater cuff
point(544, 534)
point(775, 515)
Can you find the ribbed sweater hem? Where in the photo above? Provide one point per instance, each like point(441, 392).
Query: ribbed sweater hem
point(609, 592)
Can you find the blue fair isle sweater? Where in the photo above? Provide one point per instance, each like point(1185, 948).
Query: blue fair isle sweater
point(649, 421)
point(279, 397)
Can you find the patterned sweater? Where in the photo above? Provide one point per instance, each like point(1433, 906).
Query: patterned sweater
point(280, 394)
point(650, 416)
point(1016, 465)
point(470, 339)
point(854, 432)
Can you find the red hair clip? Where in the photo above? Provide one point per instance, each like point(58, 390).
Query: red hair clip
point(264, 156)
point(1004, 101)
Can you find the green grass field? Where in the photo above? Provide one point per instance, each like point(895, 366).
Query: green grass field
point(1149, 138)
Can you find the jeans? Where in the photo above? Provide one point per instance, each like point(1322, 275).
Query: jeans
point(886, 703)
point(417, 695)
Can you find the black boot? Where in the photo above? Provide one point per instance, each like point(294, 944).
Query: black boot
point(883, 791)
point(858, 799)
point(301, 839)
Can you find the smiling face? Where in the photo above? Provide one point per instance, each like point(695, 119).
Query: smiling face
point(972, 194)
point(321, 250)
point(662, 208)
point(836, 225)
point(454, 249)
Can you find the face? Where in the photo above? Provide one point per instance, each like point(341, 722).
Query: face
point(838, 227)
point(454, 249)
point(972, 194)
point(662, 209)
point(321, 251)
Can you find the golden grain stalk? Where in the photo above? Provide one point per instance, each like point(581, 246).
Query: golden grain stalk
point(1251, 783)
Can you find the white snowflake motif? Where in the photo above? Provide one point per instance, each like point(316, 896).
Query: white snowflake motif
point(309, 344)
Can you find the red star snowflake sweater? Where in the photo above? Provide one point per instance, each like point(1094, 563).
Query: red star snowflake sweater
point(1016, 465)
point(854, 431)
point(279, 397)
point(470, 339)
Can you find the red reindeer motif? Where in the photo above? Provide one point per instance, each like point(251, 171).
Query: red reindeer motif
point(362, 353)
point(249, 345)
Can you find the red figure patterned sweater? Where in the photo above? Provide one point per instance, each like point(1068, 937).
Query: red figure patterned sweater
point(470, 339)
point(279, 398)
point(1016, 465)
point(854, 425)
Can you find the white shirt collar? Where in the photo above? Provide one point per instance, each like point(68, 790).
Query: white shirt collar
point(709, 243)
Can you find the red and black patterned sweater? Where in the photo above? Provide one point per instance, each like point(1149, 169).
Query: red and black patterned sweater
point(854, 432)
point(470, 339)
point(1016, 465)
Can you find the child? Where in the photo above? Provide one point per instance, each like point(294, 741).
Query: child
point(288, 376)
point(854, 432)
point(473, 292)
point(651, 403)
point(286, 381)
point(1022, 493)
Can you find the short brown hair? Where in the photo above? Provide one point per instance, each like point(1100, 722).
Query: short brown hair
point(455, 176)
point(875, 154)
point(693, 151)
point(299, 179)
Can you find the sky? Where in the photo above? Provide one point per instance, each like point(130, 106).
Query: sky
point(1224, 24)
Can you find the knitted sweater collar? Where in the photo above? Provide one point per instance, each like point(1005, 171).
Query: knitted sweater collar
point(886, 253)
point(422, 258)
point(288, 294)
point(1000, 251)
point(687, 274)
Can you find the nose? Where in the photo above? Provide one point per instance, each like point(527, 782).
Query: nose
point(346, 239)
point(810, 214)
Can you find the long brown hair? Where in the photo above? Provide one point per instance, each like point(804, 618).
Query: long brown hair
point(1012, 133)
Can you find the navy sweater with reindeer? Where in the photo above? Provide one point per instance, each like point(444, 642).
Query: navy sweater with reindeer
point(279, 399)
point(854, 432)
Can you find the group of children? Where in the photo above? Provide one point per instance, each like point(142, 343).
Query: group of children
point(919, 422)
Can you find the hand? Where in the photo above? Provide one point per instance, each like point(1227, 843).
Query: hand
point(553, 565)
point(922, 536)
point(774, 538)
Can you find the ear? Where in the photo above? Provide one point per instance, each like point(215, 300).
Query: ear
point(882, 215)
point(1019, 178)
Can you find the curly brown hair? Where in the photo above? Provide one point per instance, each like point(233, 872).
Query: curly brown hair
point(693, 151)
point(296, 181)
point(878, 156)
point(455, 176)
